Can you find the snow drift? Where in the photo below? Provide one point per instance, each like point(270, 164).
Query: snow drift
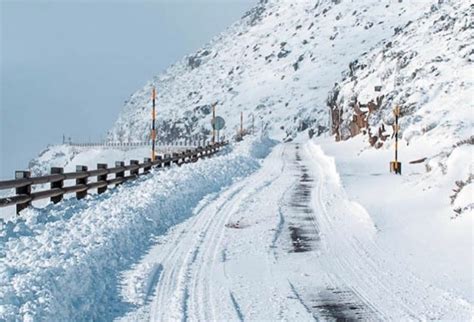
point(61, 262)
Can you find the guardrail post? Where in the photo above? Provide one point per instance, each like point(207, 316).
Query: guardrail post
point(81, 194)
point(134, 172)
point(167, 163)
point(147, 168)
point(189, 154)
point(57, 184)
point(159, 158)
point(102, 177)
point(25, 190)
point(193, 155)
point(176, 155)
point(120, 174)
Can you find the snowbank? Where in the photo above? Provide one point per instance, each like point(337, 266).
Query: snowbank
point(413, 213)
point(68, 157)
point(62, 262)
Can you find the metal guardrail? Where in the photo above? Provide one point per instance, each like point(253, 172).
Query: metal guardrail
point(183, 142)
point(23, 182)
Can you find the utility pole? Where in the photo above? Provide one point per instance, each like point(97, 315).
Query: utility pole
point(153, 129)
point(214, 123)
point(395, 166)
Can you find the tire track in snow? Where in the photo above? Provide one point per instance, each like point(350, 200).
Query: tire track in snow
point(179, 274)
point(390, 290)
point(203, 294)
point(300, 218)
point(238, 310)
point(177, 266)
point(170, 275)
point(298, 297)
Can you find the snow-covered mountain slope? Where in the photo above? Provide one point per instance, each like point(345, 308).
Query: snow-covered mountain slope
point(318, 229)
point(277, 63)
point(426, 69)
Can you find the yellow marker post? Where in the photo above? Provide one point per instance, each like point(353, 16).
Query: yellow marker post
point(395, 166)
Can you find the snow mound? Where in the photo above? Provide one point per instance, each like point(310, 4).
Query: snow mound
point(62, 262)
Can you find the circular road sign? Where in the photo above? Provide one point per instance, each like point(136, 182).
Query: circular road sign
point(218, 124)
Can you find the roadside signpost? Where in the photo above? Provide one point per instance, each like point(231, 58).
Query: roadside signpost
point(218, 124)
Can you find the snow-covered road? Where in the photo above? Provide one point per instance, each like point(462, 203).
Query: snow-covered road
point(284, 243)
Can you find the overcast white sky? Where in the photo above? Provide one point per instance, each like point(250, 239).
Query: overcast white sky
point(68, 66)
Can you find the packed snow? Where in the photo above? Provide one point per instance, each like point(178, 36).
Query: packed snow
point(62, 262)
point(288, 224)
point(288, 243)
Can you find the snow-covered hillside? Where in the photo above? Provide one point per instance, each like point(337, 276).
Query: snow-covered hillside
point(426, 69)
point(277, 63)
point(312, 229)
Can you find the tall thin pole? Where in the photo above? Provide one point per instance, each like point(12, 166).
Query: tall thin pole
point(397, 112)
point(241, 124)
point(395, 166)
point(253, 124)
point(213, 123)
point(153, 129)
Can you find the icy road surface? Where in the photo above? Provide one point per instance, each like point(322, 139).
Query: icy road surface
point(285, 243)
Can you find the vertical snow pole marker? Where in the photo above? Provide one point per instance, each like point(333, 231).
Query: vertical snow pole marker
point(395, 166)
point(241, 125)
point(153, 129)
point(213, 123)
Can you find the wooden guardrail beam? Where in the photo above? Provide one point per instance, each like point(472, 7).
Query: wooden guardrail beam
point(23, 180)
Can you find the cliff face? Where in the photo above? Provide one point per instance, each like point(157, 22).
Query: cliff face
point(425, 68)
point(276, 65)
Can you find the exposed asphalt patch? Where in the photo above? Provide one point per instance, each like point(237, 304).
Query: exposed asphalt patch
point(340, 305)
point(303, 232)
